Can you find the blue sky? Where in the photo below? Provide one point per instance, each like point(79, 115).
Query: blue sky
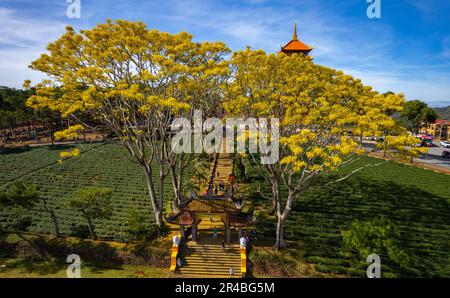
point(407, 50)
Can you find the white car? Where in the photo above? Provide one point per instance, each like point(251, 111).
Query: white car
point(445, 144)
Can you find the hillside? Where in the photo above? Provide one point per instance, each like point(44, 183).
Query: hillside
point(417, 201)
point(444, 113)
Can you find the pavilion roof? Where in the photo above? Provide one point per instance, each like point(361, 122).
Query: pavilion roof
point(185, 215)
point(211, 205)
point(295, 45)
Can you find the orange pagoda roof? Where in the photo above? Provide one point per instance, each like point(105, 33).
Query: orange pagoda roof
point(295, 45)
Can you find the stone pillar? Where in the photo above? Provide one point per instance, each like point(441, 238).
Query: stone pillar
point(182, 231)
point(194, 233)
point(239, 234)
point(228, 234)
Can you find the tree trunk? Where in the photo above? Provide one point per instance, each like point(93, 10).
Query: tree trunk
point(52, 137)
point(152, 194)
point(54, 223)
point(53, 218)
point(91, 228)
point(176, 186)
point(276, 196)
point(280, 243)
point(180, 182)
point(281, 217)
point(161, 188)
point(274, 203)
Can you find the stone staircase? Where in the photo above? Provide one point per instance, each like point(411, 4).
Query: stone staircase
point(210, 261)
point(206, 259)
point(223, 170)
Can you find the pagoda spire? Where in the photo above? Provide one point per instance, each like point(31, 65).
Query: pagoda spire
point(294, 36)
point(295, 45)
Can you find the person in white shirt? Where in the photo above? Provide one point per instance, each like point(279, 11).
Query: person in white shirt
point(243, 242)
point(176, 240)
point(231, 271)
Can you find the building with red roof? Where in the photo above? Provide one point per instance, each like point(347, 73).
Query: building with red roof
point(439, 129)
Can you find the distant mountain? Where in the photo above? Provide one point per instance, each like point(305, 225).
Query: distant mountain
point(444, 113)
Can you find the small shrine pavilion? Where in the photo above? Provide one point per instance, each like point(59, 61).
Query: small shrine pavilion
point(229, 210)
point(295, 46)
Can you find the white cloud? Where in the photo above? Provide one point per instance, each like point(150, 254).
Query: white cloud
point(23, 32)
point(424, 86)
point(359, 46)
point(21, 41)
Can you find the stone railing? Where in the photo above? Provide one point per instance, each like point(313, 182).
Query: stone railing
point(243, 261)
point(173, 257)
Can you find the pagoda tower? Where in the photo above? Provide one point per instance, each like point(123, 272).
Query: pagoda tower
point(295, 45)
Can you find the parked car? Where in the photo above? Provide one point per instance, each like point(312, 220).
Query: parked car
point(445, 144)
point(426, 143)
point(445, 154)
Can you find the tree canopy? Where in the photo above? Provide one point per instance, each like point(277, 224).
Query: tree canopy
point(134, 81)
point(322, 113)
point(92, 203)
point(416, 112)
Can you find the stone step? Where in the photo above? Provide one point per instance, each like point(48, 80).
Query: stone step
point(215, 260)
point(208, 276)
point(212, 261)
point(192, 261)
point(204, 275)
point(192, 244)
point(211, 268)
point(213, 255)
point(187, 270)
point(227, 251)
point(212, 246)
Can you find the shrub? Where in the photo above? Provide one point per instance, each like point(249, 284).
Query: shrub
point(272, 264)
point(239, 169)
point(137, 225)
point(378, 236)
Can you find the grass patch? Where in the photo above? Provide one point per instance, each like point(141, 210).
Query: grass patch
point(24, 268)
point(415, 200)
point(101, 165)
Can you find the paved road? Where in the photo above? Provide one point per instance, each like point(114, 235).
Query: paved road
point(434, 156)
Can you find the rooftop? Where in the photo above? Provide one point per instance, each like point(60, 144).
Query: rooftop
point(295, 45)
point(211, 205)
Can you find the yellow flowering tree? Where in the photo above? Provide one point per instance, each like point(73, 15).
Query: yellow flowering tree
point(323, 115)
point(133, 81)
